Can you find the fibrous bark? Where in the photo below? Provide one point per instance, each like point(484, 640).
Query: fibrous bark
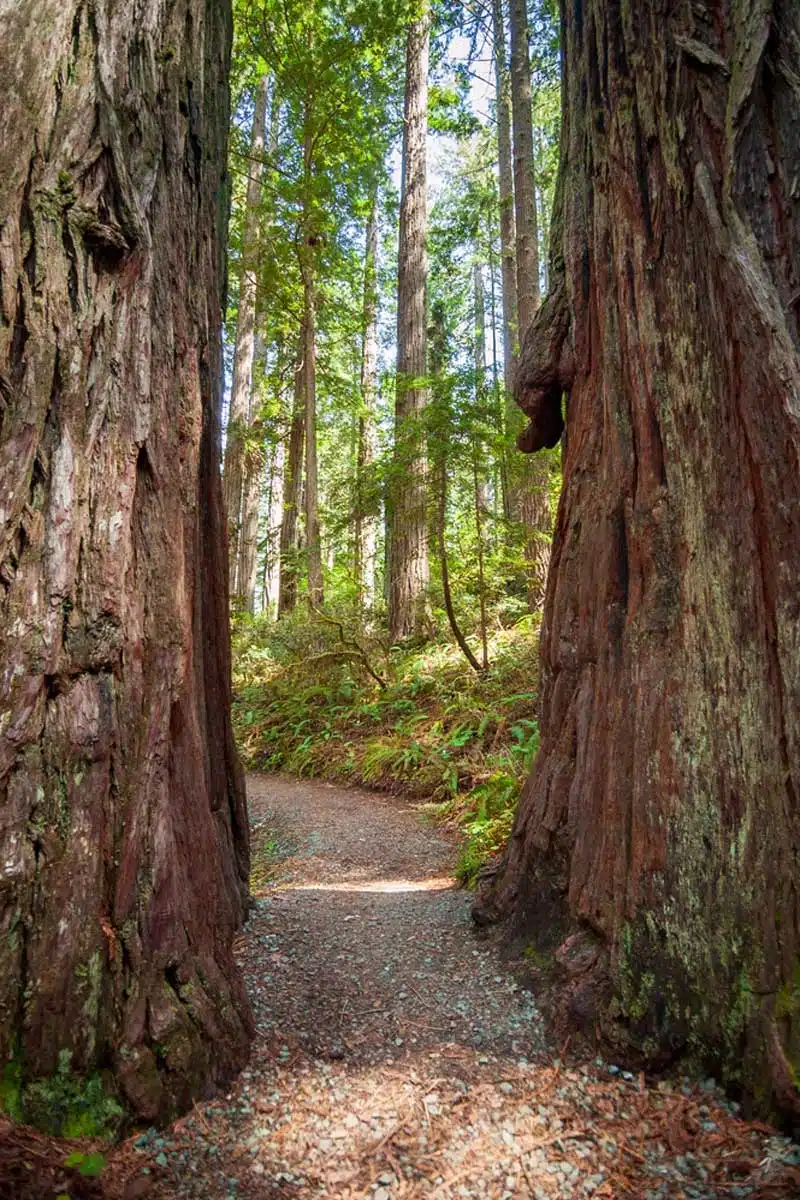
point(123, 831)
point(408, 557)
point(235, 468)
point(662, 816)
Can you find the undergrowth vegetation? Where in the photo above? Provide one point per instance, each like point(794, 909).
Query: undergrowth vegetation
point(311, 699)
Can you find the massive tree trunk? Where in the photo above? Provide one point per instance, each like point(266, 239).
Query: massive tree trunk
point(233, 479)
point(123, 831)
point(408, 559)
point(662, 814)
point(366, 519)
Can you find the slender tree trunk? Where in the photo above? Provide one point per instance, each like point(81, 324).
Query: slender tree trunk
point(501, 399)
point(480, 509)
point(662, 814)
point(293, 493)
point(274, 505)
point(479, 307)
point(253, 467)
point(479, 457)
point(233, 478)
point(531, 505)
point(309, 342)
point(251, 511)
point(244, 587)
point(508, 254)
point(272, 537)
point(528, 293)
point(445, 571)
point(124, 831)
point(440, 480)
point(366, 519)
point(313, 546)
point(409, 533)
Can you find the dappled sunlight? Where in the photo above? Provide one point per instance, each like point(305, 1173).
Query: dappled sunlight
point(438, 884)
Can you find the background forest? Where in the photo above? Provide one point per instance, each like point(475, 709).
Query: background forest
point(388, 542)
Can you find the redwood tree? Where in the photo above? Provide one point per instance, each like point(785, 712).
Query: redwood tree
point(408, 556)
point(123, 832)
point(660, 826)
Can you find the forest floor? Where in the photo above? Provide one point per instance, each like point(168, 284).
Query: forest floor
point(397, 1055)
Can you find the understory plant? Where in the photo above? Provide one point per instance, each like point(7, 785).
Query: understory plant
point(416, 720)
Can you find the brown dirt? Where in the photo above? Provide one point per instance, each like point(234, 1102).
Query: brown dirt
point(397, 1056)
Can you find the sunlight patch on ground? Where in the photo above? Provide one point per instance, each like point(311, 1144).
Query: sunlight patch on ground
point(439, 884)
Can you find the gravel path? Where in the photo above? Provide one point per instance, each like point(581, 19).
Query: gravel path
point(397, 1056)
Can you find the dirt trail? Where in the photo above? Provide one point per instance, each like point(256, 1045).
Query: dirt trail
point(396, 1056)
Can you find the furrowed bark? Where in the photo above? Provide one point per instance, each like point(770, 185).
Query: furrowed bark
point(123, 829)
point(661, 819)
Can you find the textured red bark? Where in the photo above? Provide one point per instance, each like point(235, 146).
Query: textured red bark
point(123, 830)
point(661, 818)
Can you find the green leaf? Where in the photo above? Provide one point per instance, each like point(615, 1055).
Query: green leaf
point(87, 1165)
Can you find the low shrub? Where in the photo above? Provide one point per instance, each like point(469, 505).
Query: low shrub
point(313, 698)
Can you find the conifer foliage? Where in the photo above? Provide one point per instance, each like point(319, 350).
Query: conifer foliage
point(366, 194)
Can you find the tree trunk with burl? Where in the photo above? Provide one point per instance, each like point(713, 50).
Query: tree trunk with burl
point(123, 829)
point(656, 845)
